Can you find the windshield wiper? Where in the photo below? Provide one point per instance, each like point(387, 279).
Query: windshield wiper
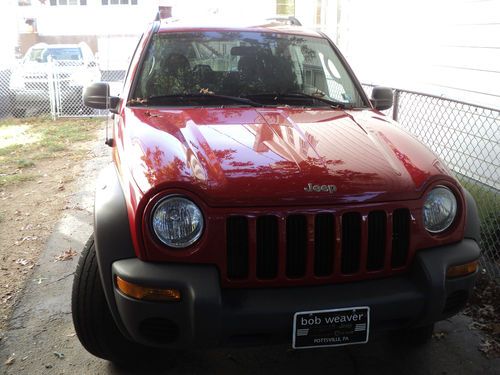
point(276, 95)
point(188, 96)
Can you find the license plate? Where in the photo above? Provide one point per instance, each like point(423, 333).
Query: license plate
point(315, 329)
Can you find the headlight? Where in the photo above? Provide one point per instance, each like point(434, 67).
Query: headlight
point(440, 209)
point(177, 222)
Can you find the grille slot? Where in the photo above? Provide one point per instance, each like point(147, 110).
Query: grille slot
point(400, 237)
point(324, 244)
point(351, 242)
point(296, 246)
point(267, 247)
point(237, 247)
point(377, 223)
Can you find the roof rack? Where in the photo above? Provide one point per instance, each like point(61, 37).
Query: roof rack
point(286, 20)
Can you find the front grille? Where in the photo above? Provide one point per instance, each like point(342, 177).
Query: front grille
point(324, 246)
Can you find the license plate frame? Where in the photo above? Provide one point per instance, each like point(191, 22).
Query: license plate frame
point(332, 327)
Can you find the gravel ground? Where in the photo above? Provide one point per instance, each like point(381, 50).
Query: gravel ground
point(40, 338)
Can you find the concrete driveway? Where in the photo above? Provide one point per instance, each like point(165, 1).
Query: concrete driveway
point(42, 338)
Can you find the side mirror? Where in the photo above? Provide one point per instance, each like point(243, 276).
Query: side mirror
point(382, 98)
point(97, 96)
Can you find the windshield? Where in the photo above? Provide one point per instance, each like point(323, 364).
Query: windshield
point(264, 67)
point(59, 54)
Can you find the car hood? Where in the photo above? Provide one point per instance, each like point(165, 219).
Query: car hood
point(276, 156)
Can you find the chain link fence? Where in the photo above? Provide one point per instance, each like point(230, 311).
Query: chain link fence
point(467, 138)
point(53, 88)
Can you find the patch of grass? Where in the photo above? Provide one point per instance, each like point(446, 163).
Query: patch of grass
point(52, 147)
point(9, 150)
point(488, 204)
point(49, 139)
point(25, 163)
point(15, 179)
point(487, 199)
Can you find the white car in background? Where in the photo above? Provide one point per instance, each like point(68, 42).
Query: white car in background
point(57, 71)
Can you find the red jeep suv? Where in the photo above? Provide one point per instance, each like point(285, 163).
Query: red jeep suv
point(258, 195)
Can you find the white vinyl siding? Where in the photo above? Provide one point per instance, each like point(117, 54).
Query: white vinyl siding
point(444, 47)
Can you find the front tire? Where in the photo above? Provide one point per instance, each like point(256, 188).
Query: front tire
point(94, 324)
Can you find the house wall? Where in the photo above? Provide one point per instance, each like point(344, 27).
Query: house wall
point(8, 30)
point(444, 47)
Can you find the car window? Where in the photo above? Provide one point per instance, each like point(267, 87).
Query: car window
point(35, 55)
point(243, 64)
point(59, 54)
point(64, 53)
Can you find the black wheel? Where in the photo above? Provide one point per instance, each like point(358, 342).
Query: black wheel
point(418, 336)
point(94, 325)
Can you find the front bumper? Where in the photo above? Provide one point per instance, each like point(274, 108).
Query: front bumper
point(209, 316)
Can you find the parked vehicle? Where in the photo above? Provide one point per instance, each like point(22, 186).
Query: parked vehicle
point(257, 195)
point(56, 72)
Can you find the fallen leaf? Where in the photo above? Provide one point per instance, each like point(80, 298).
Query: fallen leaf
point(476, 325)
point(10, 360)
point(59, 355)
point(439, 335)
point(490, 348)
point(22, 262)
point(495, 328)
point(40, 279)
point(66, 255)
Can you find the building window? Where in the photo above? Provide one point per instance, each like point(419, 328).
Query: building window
point(119, 2)
point(285, 7)
point(68, 2)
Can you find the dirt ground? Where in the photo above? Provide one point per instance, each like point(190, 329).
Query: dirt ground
point(34, 191)
point(484, 309)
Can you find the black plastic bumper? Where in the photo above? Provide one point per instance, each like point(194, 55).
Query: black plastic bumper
point(211, 316)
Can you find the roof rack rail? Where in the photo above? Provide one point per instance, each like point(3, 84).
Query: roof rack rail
point(287, 20)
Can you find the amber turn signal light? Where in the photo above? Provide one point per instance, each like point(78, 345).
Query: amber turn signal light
point(145, 293)
point(462, 269)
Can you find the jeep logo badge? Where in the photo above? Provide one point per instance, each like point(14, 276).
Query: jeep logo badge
point(317, 188)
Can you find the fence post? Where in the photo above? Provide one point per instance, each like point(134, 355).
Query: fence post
point(52, 89)
point(395, 106)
